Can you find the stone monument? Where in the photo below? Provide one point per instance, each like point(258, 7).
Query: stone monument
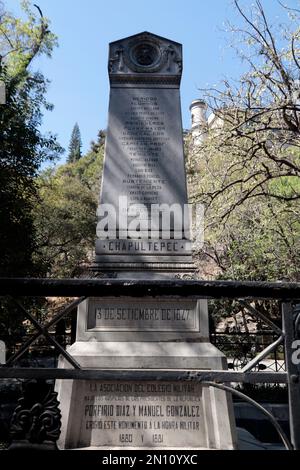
point(144, 161)
point(143, 232)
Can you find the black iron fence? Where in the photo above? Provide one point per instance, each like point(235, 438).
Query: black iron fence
point(287, 294)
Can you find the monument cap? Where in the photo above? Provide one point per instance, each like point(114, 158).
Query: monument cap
point(145, 57)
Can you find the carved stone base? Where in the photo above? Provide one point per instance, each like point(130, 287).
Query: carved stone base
point(93, 413)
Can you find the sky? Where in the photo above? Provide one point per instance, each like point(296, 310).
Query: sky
point(79, 88)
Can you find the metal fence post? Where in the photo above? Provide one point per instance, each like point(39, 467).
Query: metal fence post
point(293, 374)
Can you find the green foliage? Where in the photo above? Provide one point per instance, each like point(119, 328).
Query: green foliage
point(65, 218)
point(247, 170)
point(75, 145)
point(21, 40)
point(23, 147)
point(256, 239)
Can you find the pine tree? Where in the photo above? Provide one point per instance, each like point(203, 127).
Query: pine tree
point(75, 145)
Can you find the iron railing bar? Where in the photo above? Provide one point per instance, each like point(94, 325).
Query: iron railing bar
point(193, 289)
point(144, 375)
point(260, 315)
point(31, 340)
point(262, 354)
point(64, 353)
point(65, 312)
point(17, 355)
point(269, 415)
point(45, 333)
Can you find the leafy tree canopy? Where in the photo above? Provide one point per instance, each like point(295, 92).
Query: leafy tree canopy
point(246, 172)
point(65, 218)
point(23, 147)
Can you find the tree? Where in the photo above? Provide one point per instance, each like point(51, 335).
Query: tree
point(65, 218)
point(250, 160)
point(75, 145)
point(260, 113)
point(23, 147)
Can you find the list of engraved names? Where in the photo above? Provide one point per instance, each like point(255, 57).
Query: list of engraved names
point(144, 139)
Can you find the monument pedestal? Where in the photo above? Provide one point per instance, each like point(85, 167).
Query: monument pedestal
point(156, 415)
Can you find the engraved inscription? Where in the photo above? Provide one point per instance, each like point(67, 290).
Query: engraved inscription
point(144, 161)
point(145, 414)
point(142, 246)
point(142, 315)
point(143, 139)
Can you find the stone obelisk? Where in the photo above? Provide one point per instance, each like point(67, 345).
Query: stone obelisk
point(143, 231)
point(144, 173)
